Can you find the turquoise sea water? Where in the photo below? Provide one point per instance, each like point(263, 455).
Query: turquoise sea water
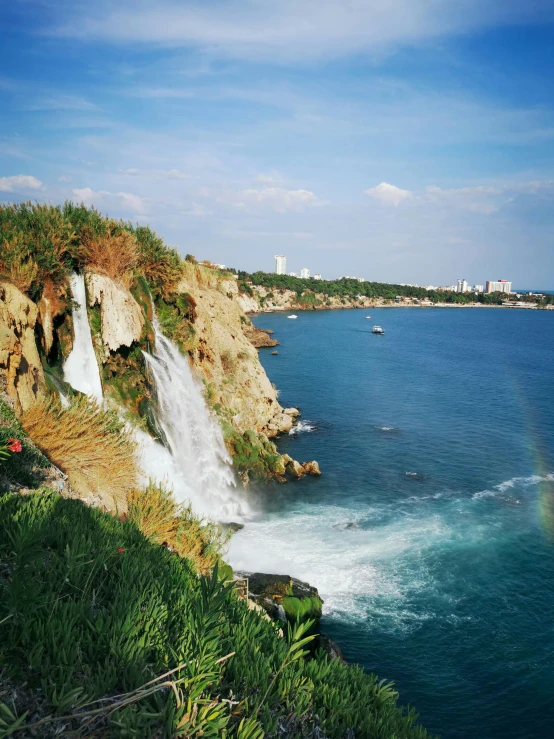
point(430, 534)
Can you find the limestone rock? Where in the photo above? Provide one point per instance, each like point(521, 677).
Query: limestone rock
point(122, 318)
point(295, 468)
point(291, 412)
point(311, 468)
point(247, 303)
point(19, 358)
point(258, 337)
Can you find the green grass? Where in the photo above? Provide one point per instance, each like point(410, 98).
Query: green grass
point(105, 634)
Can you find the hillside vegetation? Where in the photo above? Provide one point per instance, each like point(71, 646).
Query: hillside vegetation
point(110, 635)
point(348, 288)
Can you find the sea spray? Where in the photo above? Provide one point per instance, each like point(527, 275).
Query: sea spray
point(198, 467)
point(81, 368)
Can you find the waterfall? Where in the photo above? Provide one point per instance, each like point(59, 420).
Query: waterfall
point(198, 468)
point(80, 369)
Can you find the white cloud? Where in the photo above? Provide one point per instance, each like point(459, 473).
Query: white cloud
point(19, 182)
point(61, 102)
point(126, 200)
point(87, 196)
point(132, 202)
point(278, 199)
point(389, 194)
point(162, 174)
point(291, 29)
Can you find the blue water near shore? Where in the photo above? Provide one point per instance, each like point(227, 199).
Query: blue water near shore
point(430, 534)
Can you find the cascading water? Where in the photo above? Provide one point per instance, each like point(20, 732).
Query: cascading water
point(81, 368)
point(198, 468)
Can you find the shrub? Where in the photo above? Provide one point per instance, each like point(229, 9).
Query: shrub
point(114, 253)
point(162, 266)
point(162, 520)
point(89, 444)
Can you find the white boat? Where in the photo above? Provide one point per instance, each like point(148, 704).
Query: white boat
point(367, 317)
point(293, 316)
point(378, 330)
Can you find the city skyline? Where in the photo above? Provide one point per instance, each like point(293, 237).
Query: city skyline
point(410, 141)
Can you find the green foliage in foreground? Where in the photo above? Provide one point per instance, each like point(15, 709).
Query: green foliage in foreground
point(121, 638)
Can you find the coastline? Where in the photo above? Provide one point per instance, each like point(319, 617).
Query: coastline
point(278, 309)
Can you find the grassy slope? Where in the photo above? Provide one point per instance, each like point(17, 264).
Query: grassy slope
point(83, 620)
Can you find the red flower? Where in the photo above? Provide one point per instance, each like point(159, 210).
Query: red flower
point(120, 550)
point(14, 445)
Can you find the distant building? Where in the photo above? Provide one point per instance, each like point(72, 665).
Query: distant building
point(463, 286)
point(318, 277)
point(478, 289)
point(500, 286)
point(360, 279)
point(280, 264)
point(293, 274)
point(305, 273)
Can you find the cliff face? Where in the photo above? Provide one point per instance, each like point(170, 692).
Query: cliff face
point(269, 300)
point(228, 362)
point(19, 358)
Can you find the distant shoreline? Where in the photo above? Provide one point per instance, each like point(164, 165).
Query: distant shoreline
point(401, 305)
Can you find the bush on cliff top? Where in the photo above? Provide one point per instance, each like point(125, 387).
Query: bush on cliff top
point(105, 634)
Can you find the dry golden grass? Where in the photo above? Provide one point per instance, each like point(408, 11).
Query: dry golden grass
point(89, 444)
point(15, 267)
point(114, 254)
point(155, 512)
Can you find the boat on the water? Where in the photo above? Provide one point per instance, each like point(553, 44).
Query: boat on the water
point(293, 316)
point(367, 317)
point(378, 330)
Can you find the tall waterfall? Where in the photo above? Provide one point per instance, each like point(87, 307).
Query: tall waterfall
point(81, 368)
point(199, 468)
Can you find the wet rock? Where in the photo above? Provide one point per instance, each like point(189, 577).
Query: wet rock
point(311, 468)
point(232, 526)
point(283, 597)
point(331, 648)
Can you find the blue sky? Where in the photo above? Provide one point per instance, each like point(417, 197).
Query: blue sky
point(403, 141)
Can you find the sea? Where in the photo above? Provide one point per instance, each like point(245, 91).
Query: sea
point(430, 534)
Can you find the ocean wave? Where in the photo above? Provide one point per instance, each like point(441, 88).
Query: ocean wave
point(514, 482)
point(301, 427)
point(389, 429)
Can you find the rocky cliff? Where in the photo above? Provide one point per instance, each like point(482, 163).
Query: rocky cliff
point(261, 299)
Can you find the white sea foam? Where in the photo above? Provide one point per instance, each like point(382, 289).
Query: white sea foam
point(302, 426)
point(359, 571)
point(514, 482)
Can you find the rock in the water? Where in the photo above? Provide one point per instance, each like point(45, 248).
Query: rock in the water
point(311, 468)
point(330, 647)
point(291, 412)
point(275, 353)
point(283, 595)
point(258, 337)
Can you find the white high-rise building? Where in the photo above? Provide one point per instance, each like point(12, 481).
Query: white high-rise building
point(280, 264)
point(293, 274)
point(478, 288)
point(463, 286)
point(304, 273)
point(499, 286)
point(317, 277)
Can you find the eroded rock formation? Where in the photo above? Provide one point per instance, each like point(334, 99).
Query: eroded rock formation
point(19, 357)
point(122, 318)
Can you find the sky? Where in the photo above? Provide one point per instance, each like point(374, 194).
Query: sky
point(397, 140)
